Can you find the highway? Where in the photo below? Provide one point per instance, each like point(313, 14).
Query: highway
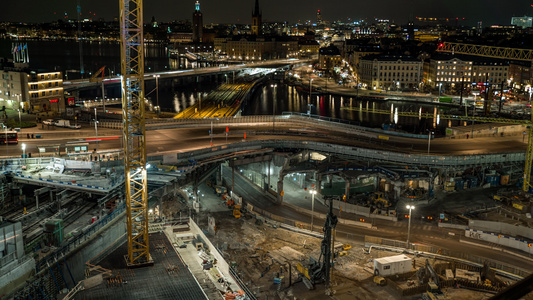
point(183, 139)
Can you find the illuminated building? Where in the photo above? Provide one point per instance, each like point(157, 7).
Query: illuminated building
point(523, 22)
point(251, 47)
point(197, 24)
point(390, 72)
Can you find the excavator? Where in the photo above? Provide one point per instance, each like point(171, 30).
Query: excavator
point(433, 291)
point(379, 200)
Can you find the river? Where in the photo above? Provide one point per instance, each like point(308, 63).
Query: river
point(64, 55)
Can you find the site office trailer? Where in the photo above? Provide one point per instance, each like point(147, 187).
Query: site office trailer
point(392, 265)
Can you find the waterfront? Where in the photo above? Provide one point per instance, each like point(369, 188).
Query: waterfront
point(64, 55)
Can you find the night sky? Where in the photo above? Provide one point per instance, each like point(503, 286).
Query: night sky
point(239, 11)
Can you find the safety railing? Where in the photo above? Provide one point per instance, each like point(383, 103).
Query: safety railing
point(356, 152)
point(80, 238)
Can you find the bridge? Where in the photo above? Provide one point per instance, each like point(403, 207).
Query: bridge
point(73, 85)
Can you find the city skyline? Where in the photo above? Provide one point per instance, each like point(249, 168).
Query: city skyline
point(239, 11)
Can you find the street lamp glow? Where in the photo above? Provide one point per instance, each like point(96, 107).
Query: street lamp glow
point(24, 152)
point(313, 193)
point(410, 208)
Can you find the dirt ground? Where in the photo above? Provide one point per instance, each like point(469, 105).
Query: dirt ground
point(261, 252)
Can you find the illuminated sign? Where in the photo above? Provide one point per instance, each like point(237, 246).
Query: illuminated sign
point(54, 100)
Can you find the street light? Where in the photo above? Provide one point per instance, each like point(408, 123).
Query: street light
point(310, 85)
point(273, 106)
point(429, 139)
point(313, 193)
point(157, 91)
point(410, 208)
point(24, 152)
point(20, 117)
point(96, 126)
point(5, 132)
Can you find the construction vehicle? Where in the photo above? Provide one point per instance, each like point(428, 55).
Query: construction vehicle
point(237, 211)
point(220, 190)
point(314, 271)
point(434, 293)
point(379, 200)
point(381, 281)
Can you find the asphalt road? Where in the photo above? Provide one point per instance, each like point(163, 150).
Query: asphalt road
point(186, 139)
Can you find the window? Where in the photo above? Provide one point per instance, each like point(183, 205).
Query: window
point(386, 267)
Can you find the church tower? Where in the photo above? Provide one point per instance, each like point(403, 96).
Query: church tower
point(197, 24)
point(256, 20)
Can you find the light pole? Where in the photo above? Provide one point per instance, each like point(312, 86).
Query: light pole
point(157, 91)
point(310, 89)
point(96, 127)
point(410, 208)
point(24, 152)
point(5, 132)
point(429, 139)
point(313, 193)
point(20, 116)
point(273, 106)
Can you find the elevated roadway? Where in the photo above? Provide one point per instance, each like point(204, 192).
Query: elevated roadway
point(72, 85)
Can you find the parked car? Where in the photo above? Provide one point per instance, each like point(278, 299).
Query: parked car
point(74, 126)
point(49, 122)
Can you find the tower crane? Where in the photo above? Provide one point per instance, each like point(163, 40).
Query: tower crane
point(529, 154)
point(132, 81)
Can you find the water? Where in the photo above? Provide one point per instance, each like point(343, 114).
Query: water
point(64, 55)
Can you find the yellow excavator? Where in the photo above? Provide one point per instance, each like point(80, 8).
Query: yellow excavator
point(379, 200)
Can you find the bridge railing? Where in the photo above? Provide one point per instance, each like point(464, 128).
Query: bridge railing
point(356, 152)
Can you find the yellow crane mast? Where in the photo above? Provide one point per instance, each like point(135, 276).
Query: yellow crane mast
point(132, 71)
point(529, 154)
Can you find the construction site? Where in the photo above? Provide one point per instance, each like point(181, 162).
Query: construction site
point(311, 217)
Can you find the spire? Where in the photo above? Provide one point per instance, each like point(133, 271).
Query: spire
point(197, 6)
point(256, 10)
